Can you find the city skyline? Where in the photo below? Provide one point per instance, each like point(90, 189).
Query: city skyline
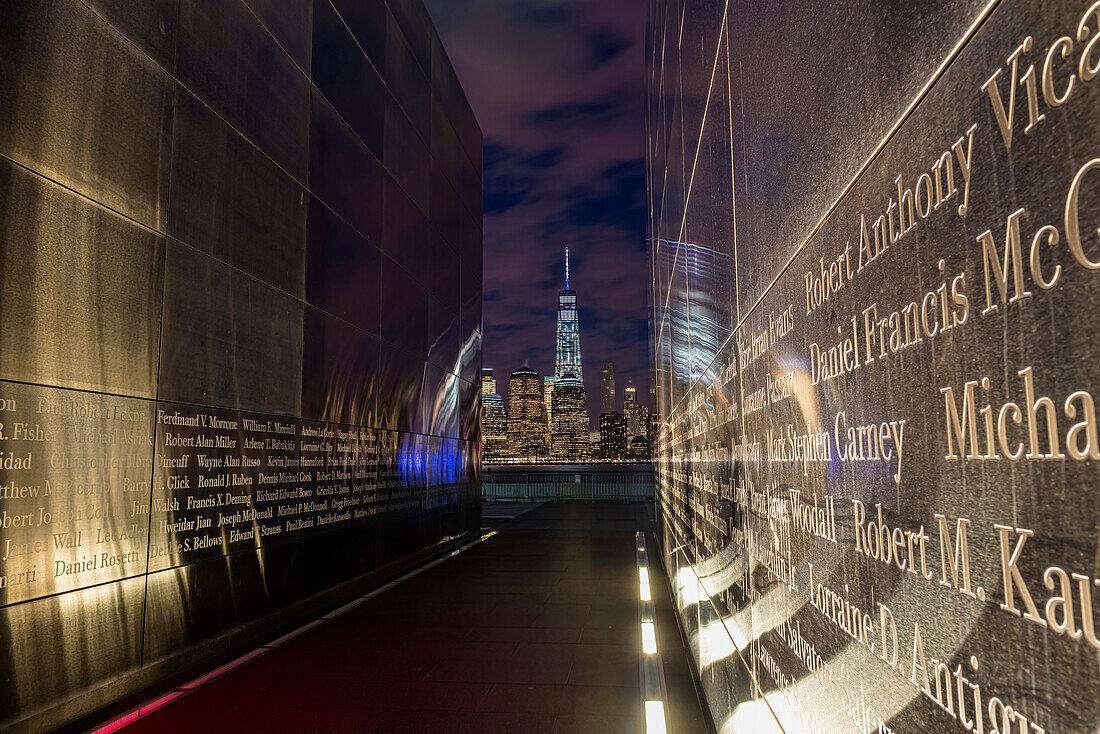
point(548, 417)
point(297, 433)
point(558, 94)
point(566, 356)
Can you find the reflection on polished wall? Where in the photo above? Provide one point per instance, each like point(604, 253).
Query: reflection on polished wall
point(240, 325)
point(874, 244)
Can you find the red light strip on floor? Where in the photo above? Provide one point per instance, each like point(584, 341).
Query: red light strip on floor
point(159, 702)
point(143, 710)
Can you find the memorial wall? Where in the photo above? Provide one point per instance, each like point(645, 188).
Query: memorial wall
point(240, 326)
point(875, 251)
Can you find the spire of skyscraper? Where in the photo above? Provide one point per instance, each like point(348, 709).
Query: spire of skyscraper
point(569, 337)
point(567, 362)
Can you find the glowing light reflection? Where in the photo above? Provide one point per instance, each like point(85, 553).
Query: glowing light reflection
point(655, 717)
point(649, 639)
point(714, 644)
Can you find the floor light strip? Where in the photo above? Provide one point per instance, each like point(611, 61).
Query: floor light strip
point(655, 717)
point(649, 639)
point(652, 678)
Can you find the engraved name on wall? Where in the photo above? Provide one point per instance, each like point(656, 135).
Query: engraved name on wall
point(95, 488)
point(887, 478)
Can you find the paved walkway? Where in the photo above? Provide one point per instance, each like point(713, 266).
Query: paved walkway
point(534, 630)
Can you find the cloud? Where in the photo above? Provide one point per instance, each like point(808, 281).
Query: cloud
point(558, 88)
point(546, 158)
point(605, 44)
point(612, 198)
point(492, 156)
point(574, 114)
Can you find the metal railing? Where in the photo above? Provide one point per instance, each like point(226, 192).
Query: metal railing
point(628, 482)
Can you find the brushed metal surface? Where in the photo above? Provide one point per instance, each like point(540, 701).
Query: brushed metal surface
point(220, 403)
point(441, 272)
point(91, 112)
point(232, 202)
point(289, 22)
point(404, 310)
point(471, 297)
point(860, 78)
point(416, 26)
point(406, 79)
point(66, 645)
point(344, 270)
point(446, 212)
point(408, 235)
point(367, 21)
point(343, 172)
point(235, 66)
point(444, 336)
point(344, 74)
point(406, 156)
point(81, 296)
point(339, 369)
point(74, 488)
point(399, 379)
point(447, 89)
point(754, 435)
point(151, 26)
point(439, 407)
point(248, 335)
point(456, 164)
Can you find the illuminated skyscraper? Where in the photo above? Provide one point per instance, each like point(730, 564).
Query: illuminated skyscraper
point(569, 335)
point(607, 388)
point(635, 413)
point(526, 416)
point(548, 401)
point(612, 436)
point(494, 428)
point(570, 420)
point(567, 365)
point(494, 419)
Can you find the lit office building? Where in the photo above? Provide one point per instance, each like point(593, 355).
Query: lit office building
point(567, 365)
point(488, 383)
point(548, 401)
point(568, 358)
point(636, 415)
point(607, 388)
point(494, 428)
point(569, 420)
point(526, 416)
point(612, 436)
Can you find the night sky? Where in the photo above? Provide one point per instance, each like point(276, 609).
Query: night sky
point(558, 87)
